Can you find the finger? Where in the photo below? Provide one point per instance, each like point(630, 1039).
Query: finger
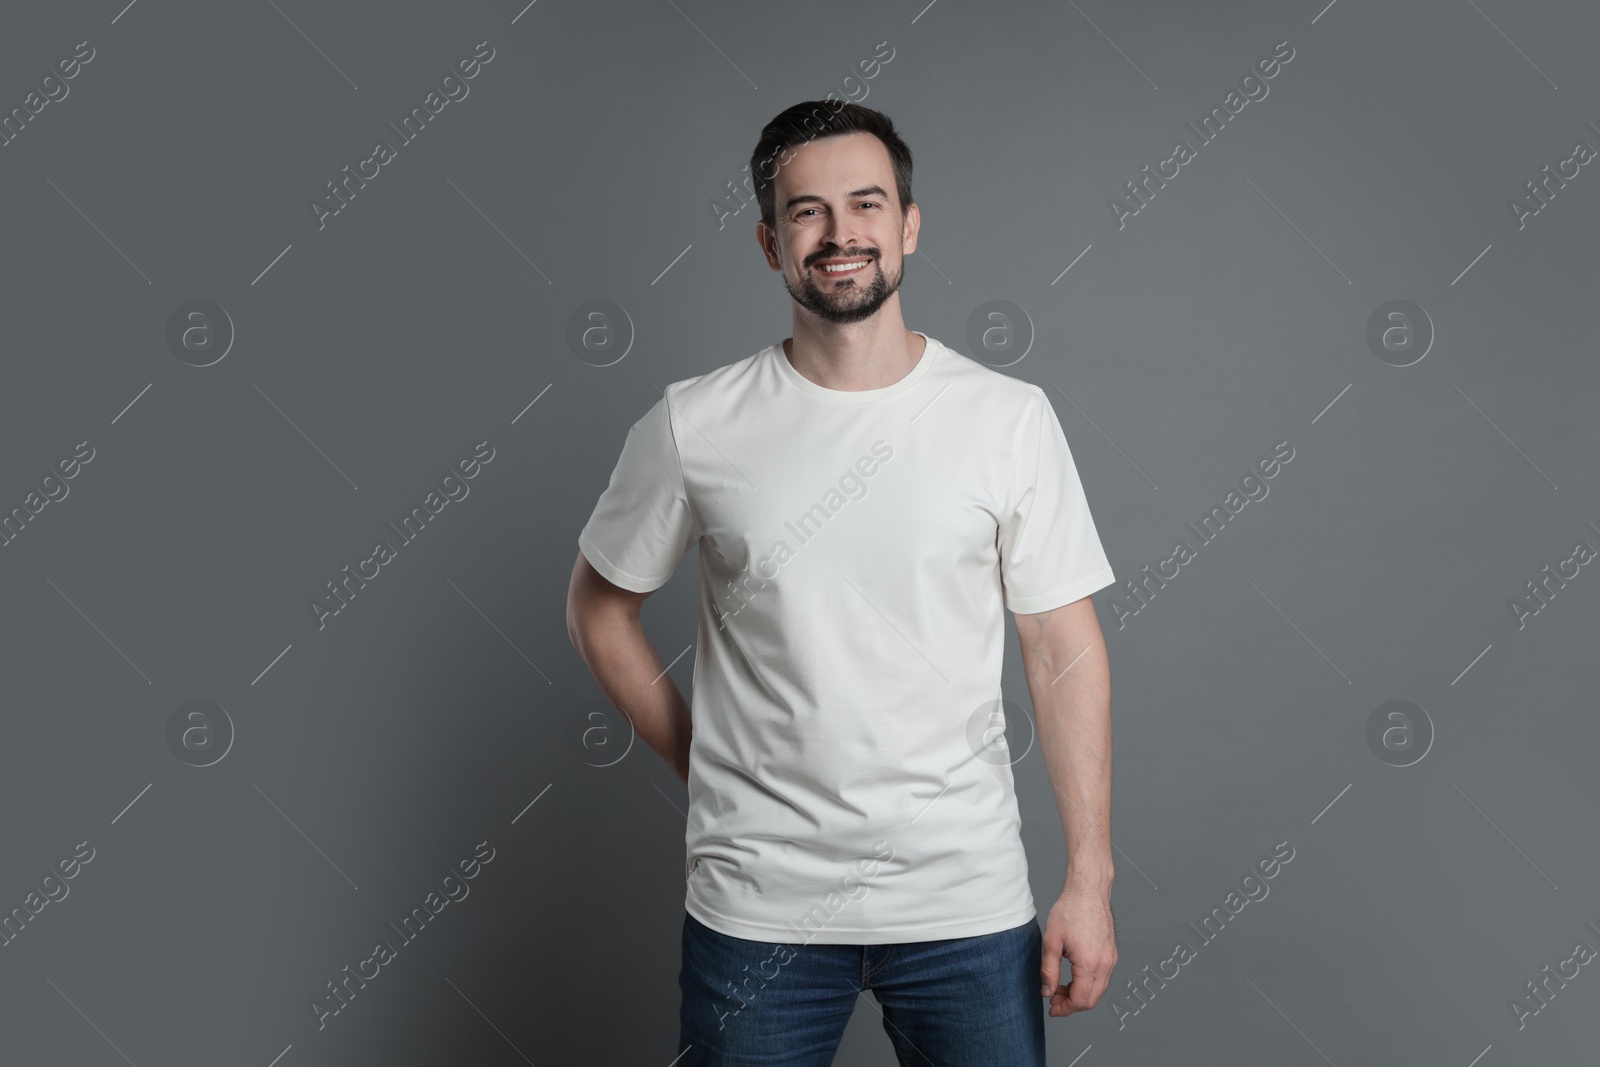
point(1102, 983)
point(1049, 972)
point(1100, 978)
point(1084, 991)
point(1050, 963)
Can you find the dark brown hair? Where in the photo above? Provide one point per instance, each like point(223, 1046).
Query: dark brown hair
point(814, 119)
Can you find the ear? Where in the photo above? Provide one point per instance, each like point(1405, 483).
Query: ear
point(909, 230)
point(767, 239)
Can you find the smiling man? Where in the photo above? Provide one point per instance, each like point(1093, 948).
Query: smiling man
point(867, 503)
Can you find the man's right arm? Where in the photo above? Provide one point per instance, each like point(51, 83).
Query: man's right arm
point(603, 624)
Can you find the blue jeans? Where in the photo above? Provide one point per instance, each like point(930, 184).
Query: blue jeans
point(960, 1002)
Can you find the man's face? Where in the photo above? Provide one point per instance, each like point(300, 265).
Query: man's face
point(835, 204)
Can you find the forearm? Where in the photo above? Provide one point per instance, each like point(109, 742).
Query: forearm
point(1069, 678)
point(630, 673)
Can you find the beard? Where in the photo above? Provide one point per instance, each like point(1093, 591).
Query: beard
point(846, 302)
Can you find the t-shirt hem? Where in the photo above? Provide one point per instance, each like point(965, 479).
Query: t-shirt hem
point(1032, 605)
point(788, 935)
point(615, 574)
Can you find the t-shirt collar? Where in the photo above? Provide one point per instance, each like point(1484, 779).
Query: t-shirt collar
point(856, 396)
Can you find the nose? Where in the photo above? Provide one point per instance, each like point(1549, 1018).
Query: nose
point(845, 232)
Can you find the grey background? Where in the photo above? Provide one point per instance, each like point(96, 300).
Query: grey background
point(427, 316)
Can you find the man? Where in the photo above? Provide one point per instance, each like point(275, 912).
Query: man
point(867, 502)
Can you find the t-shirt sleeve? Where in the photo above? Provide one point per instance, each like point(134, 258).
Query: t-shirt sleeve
point(642, 525)
point(1050, 553)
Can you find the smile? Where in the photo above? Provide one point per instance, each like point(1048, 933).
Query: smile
point(844, 268)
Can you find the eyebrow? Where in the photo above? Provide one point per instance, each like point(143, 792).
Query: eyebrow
point(854, 194)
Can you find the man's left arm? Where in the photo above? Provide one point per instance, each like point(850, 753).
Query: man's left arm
point(1069, 679)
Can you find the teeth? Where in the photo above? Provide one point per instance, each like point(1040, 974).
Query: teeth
point(834, 268)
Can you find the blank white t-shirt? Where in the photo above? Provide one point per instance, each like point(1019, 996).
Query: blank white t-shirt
point(856, 550)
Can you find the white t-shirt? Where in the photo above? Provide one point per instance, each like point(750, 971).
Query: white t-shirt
point(856, 548)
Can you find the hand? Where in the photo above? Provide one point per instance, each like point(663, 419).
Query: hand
point(1080, 928)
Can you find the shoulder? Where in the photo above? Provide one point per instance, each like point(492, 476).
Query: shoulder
point(715, 386)
point(999, 393)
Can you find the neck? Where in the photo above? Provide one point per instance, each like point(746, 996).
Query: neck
point(854, 356)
